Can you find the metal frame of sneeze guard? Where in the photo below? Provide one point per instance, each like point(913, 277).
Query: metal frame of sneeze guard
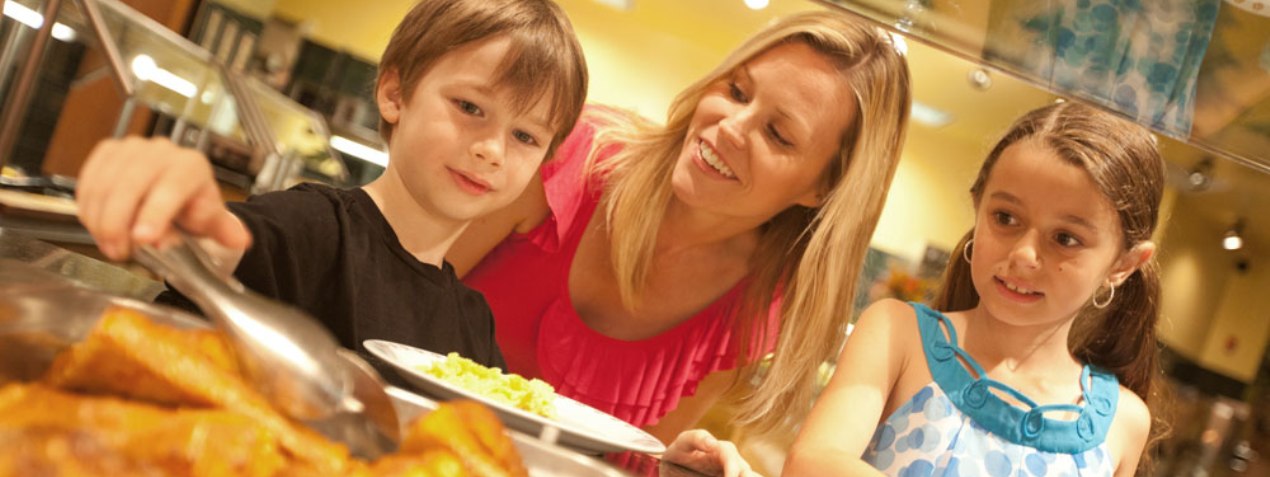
point(19, 98)
point(259, 136)
point(272, 163)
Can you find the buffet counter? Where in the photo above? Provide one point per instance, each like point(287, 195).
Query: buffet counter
point(33, 271)
point(18, 248)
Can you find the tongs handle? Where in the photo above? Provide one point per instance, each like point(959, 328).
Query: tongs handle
point(286, 354)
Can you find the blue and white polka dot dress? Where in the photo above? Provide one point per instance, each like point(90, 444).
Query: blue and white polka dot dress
point(955, 426)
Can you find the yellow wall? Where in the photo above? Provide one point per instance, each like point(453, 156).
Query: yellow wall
point(1194, 272)
point(1237, 334)
point(360, 28)
point(629, 62)
point(635, 63)
point(929, 201)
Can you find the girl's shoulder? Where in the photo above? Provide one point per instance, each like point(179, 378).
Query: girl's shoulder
point(1132, 411)
point(910, 319)
point(888, 315)
point(916, 320)
point(1131, 426)
point(894, 321)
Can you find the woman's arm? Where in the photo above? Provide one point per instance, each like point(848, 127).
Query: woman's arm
point(847, 412)
point(485, 233)
point(701, 453)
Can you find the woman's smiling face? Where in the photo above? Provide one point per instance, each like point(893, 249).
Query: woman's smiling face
point(761, 138)
point(1046, 238)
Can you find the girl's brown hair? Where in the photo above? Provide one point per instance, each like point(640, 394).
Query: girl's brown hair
point(545, 59)
point(810, 257)
point(1125, 164)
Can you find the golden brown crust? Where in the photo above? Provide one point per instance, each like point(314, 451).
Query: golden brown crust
point(128, 355)
point(138, 398)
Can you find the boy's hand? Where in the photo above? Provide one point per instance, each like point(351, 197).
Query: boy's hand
point(132, 191)
point(701, 452)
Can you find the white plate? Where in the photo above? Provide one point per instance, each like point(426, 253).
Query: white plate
point(580, 426)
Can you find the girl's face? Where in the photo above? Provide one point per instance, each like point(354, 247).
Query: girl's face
point(459, 146)
point(1046, 239)
point(761, 138)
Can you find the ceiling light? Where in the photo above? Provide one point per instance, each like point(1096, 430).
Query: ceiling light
point(145, 69)
point(928, 115)
point(913, 14)
point(756, 4)
point(1200, 177)
point(1234, 239)
point(360, 151)
point(33, 19)
point(979, 79)
point(900, 44)
point(618, 4)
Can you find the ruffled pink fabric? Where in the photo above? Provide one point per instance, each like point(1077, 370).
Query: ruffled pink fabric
point(525, 281)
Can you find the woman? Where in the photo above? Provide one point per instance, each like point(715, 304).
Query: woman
point(652, 266)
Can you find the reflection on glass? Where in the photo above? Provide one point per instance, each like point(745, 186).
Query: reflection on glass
point(1197, 70)
point(177, 78)
point(297, 130)
point(171, 76)
point(1141, 58)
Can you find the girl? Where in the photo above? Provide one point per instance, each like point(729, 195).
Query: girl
point(1041, 356)
point(641, 275)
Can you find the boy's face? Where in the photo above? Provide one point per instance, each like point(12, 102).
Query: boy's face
point(458, 145)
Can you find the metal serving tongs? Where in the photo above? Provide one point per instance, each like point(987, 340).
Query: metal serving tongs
point(286, 354)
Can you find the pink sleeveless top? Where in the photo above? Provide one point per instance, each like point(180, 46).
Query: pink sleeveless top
point(525, 281)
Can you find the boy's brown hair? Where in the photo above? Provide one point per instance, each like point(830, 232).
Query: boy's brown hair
point(545, 59)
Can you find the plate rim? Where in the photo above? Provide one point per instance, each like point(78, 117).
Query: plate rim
point(374, 347)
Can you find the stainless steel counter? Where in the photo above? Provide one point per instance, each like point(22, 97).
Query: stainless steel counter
point(17, 248)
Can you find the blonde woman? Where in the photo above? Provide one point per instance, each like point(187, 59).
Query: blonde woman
point(651, 266)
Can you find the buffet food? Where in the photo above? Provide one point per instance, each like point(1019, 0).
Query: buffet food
point(532, 395)
point(139, 398)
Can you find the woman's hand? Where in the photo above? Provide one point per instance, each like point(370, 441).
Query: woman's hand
point(132, 191)
point(701, 452)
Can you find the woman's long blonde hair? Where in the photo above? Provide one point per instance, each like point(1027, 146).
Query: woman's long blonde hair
point(809, 256)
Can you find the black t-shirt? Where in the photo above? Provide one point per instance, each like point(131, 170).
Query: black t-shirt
point(331, 253)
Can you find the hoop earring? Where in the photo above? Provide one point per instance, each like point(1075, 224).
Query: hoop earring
point(965, 249)
point(1110, 296)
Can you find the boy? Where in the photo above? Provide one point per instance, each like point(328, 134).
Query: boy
point(473, 95)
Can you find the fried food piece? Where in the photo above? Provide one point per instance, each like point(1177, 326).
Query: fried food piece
point(471, 432)
point(128, 355)
point(44, 431)
point(200, 418)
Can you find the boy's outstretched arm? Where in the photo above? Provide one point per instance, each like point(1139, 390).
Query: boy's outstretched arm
point(136, 191)
point(847, 413)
